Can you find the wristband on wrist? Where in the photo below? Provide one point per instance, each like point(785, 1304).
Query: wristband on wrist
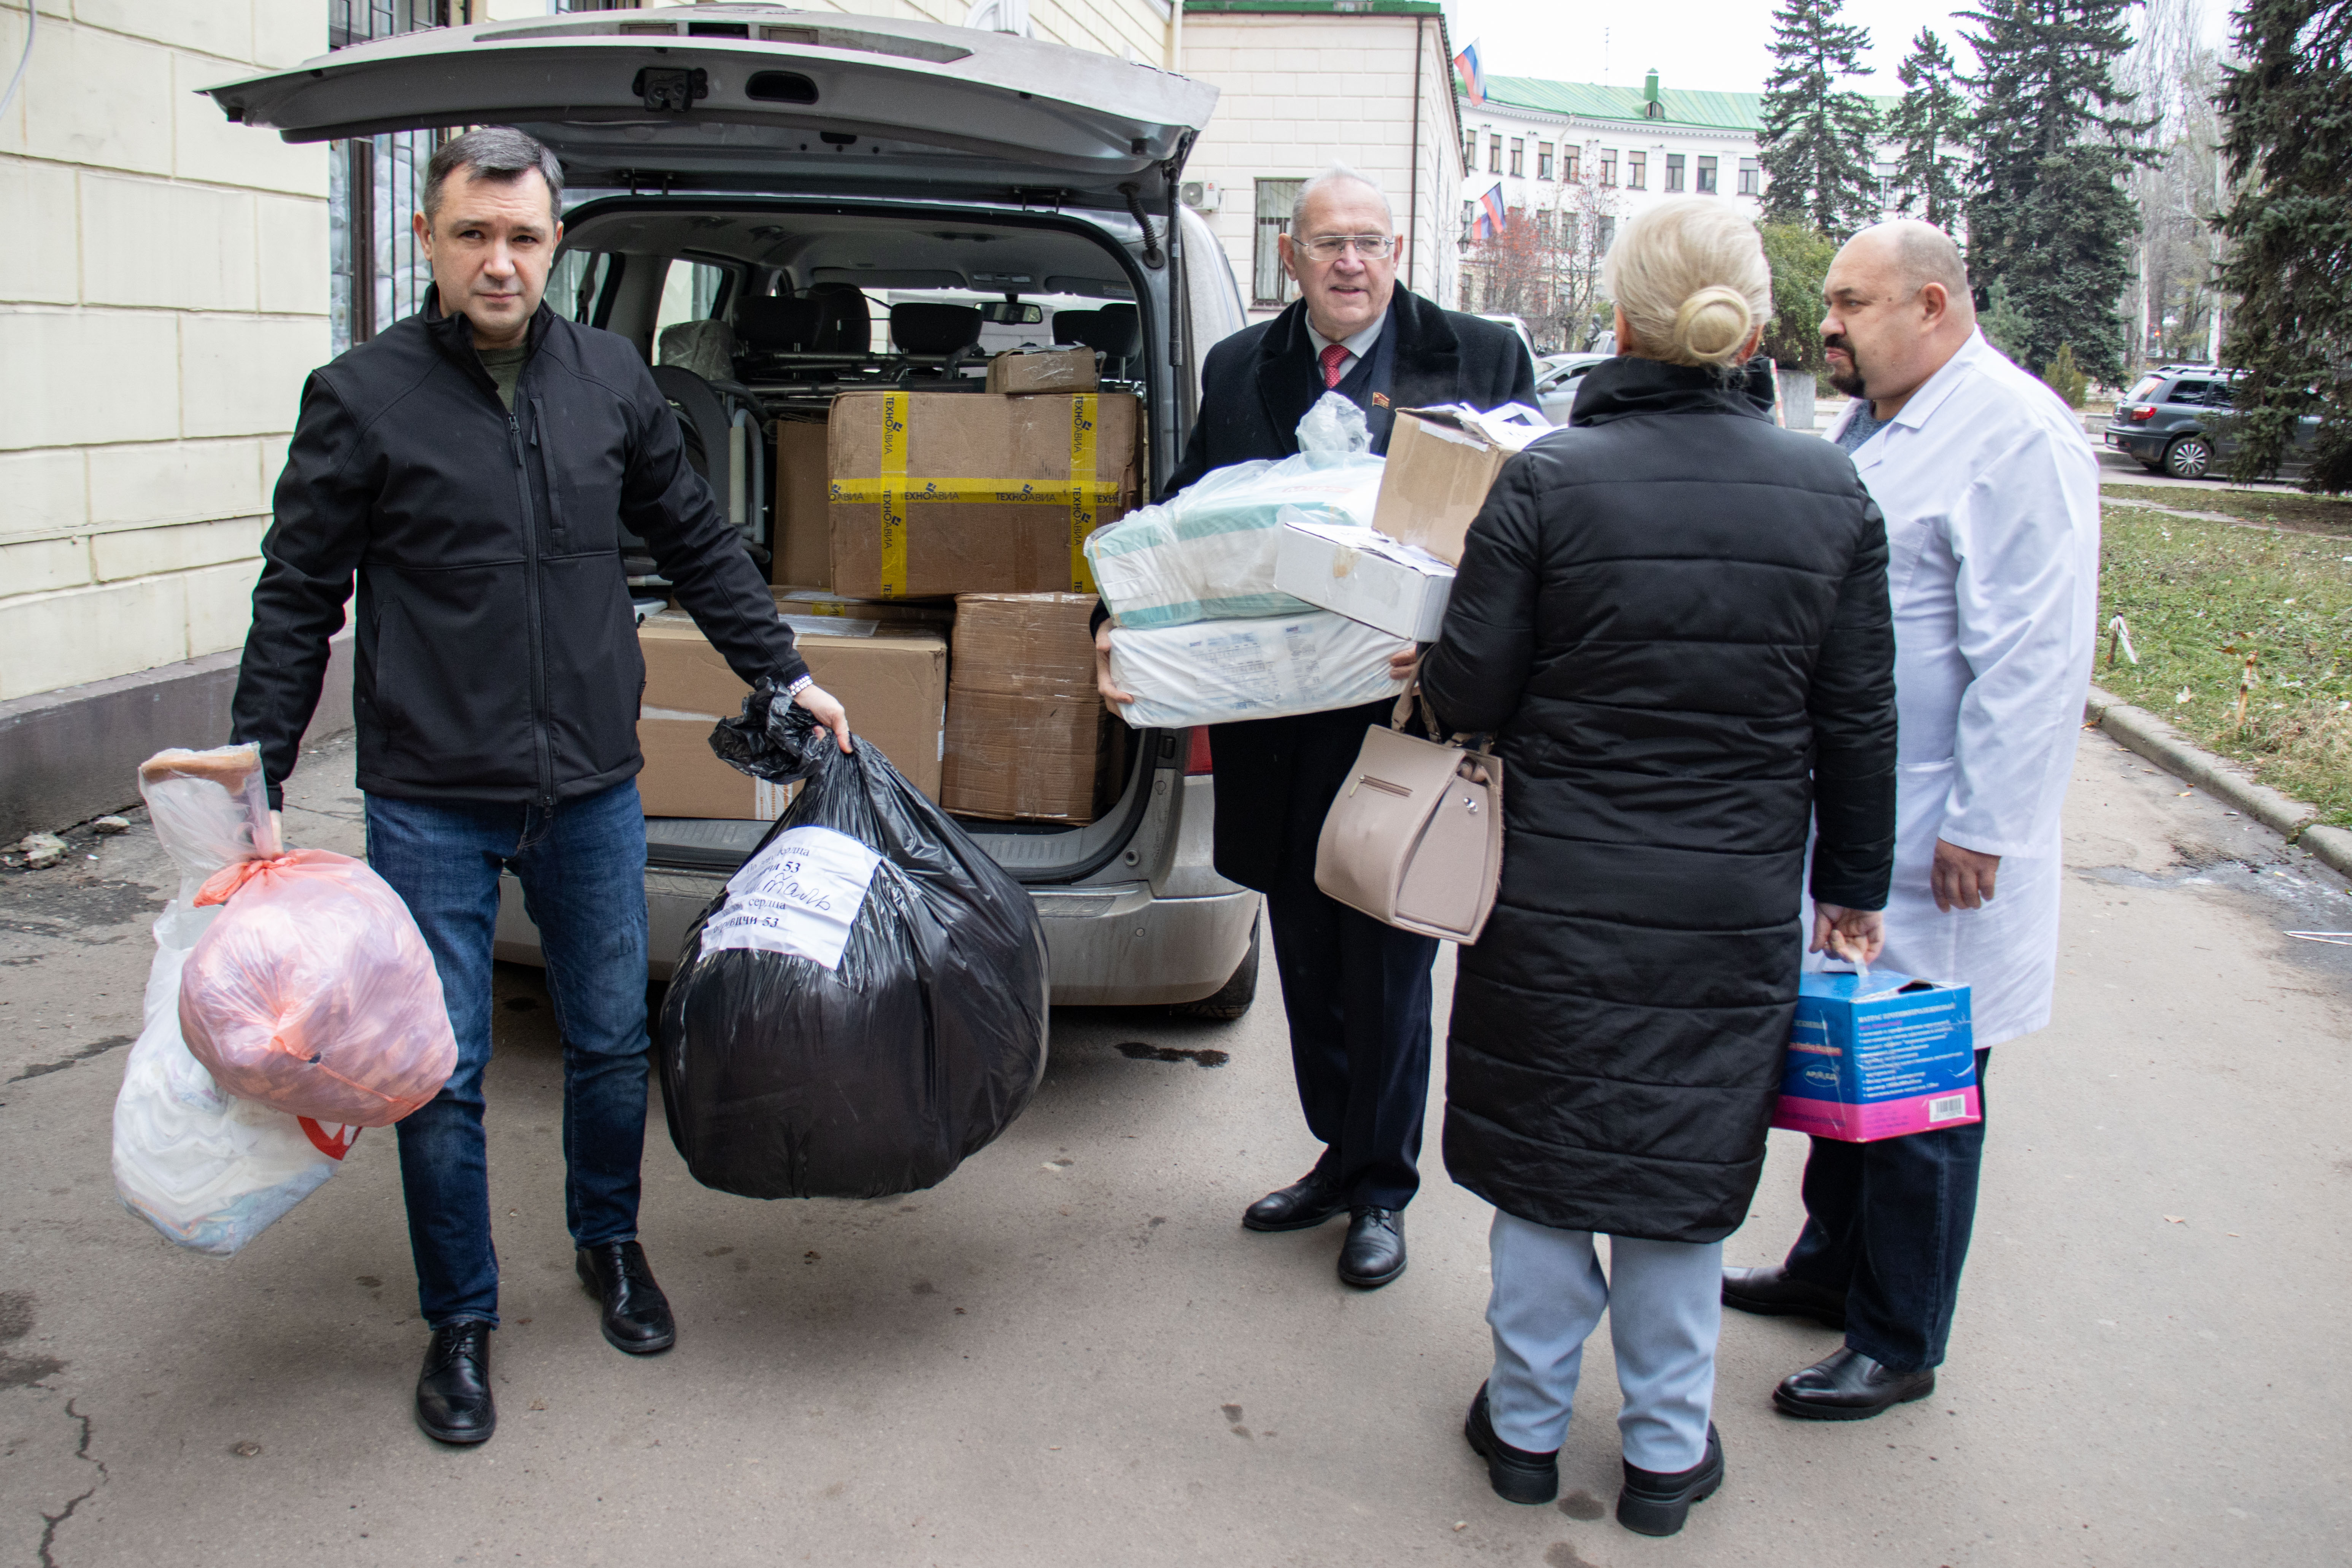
point(797, 686)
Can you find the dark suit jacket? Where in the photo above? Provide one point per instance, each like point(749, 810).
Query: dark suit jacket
point(1276, 777)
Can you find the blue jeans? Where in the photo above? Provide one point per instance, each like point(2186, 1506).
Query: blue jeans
point(1888, 1224)
point(582, 869)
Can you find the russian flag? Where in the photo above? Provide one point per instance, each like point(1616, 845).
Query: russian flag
point(1466, 72)
point(1490, 213)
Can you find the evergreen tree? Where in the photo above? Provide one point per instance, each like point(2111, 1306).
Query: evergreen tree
point(2047, 210)
point(2004, 324)
point(1931, 121)
point(1815, 150)
point(1800, 258)
point(2288, 136)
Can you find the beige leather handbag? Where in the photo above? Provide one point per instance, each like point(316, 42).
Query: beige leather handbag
point(1415, 838)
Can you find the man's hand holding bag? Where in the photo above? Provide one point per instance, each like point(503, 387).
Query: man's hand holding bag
point(1415, 838)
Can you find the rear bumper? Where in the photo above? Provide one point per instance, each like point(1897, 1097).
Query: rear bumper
point(1111, 945)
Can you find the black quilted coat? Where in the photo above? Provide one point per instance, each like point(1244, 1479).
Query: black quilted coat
point(1675, 616)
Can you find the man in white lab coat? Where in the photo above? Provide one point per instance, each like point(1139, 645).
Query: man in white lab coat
point(1991, 496)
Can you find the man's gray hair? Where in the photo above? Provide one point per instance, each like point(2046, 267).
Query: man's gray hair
point(498, 152)
point(1337, 173)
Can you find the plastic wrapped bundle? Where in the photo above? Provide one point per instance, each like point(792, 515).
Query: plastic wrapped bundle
point(209, 1171)
point(1218, 671)
point(314, 992)
point(865, 1005)
point(1207, 552)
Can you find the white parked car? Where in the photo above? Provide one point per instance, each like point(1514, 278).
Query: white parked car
point(850, 164)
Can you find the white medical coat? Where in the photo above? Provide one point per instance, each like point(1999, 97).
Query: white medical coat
point(1991, 496)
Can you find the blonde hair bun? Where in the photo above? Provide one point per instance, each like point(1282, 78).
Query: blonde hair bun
point(1690, 275)
point(1711, 326)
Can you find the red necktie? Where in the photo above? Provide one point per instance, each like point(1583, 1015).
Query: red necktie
point(1332, 355)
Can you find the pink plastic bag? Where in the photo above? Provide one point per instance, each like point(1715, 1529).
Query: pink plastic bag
point(313, 991)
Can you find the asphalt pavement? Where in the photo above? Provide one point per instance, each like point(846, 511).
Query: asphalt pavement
point(1070, 1353)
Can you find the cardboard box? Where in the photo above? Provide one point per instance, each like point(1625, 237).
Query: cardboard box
point(802, 549)
point(1364, 576)
point(1441, 464)
point(1043, 370)
point(893, 681)
point(938, 493)
point(1027, 730)
point(1878, 1055)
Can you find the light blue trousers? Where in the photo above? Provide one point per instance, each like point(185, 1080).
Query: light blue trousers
point(1665, 1301)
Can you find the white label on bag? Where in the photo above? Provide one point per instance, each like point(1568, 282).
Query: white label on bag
point(800, 895)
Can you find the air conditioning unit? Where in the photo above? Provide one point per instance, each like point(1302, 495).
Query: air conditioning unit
point(1201, 195)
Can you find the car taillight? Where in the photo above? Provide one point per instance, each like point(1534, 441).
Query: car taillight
point(1196, 754)
point(2141, 415)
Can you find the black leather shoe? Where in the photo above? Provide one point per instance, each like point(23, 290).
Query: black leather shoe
point(1773, 1292)
point(1517, 1474)
point(1655, 1502)
point(636, 1313)
point(1302, 1205)
point(1847, 1385)
point(453, 1392)
point(1373, 1253)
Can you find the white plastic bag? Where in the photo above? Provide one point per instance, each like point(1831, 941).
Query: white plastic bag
point(209, 1171)
point(1212, 672)
point(1207, 554)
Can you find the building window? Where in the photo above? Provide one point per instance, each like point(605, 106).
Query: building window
point(1543, 160)
point(1518, 156)
point(1707, 185)
point(1494, 155)
point(1673, 171)
point(1469, 221)
point(377, 272)
point(1543, 228)
point(1570, 229)
point(1608, 233)
point(1470, 151)
point(1637, 171)
point(1751, 177)
point(1568, 162)
point(1608, 165)
point(1887, 175)
point(1269, 284)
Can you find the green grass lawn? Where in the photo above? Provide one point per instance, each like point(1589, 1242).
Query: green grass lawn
point(2286, 509)
point(2193, 592)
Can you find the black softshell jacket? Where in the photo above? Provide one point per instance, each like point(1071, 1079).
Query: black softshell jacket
point(497, 651)
point(1675, 617)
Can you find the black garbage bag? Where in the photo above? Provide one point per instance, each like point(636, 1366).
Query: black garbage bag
point(865, 1005)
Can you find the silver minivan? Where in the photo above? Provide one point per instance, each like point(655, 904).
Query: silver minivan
point(717, 154)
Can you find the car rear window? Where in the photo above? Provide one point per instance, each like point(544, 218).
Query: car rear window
point(2186, 391)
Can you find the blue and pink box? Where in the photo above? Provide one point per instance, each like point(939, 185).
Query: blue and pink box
point(1878, 1055)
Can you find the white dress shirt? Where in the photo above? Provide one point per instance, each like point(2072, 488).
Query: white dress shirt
point(1991, 496)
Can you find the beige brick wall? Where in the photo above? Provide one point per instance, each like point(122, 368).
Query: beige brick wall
point(1302, 92)
point(163, 294)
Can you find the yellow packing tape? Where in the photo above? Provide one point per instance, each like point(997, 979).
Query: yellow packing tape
point(892, 484)
point(1082, 507)
point(1081, 492)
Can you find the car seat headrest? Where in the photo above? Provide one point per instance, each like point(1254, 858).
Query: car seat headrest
point(928, 329)
point(771, 325)
point(1116, 329)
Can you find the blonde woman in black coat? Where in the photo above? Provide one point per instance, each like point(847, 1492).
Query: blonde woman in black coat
point(1674, 618)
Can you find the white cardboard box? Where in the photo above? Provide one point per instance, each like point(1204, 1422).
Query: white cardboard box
point(1364, 576)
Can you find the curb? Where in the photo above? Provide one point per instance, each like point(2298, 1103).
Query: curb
point(2151, 737)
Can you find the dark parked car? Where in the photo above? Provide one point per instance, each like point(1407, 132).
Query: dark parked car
point(2176, 421)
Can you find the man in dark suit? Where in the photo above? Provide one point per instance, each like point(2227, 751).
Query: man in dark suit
point(1357, 992)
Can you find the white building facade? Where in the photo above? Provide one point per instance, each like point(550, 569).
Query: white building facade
point(1579, 158)
point(1305, 84)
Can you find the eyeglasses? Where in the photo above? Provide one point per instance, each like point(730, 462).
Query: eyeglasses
point(1331, 246)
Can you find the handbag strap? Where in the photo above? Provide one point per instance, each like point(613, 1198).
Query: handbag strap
point(1403, 713)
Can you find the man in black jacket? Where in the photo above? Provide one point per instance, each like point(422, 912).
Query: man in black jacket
point(1357, 992)
point(473, 468)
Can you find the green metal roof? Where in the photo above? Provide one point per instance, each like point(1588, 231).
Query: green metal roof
point(1720, 110)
